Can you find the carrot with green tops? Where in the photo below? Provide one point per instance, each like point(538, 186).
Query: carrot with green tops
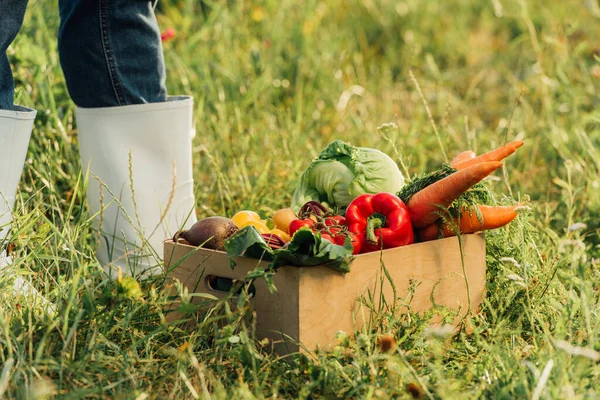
point(498, 154)
point(424, 205)
point(492, 217)
point(464, 156)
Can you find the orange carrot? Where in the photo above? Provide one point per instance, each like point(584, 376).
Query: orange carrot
point(464, 156)
point(491, 218)
point(430, 232)
point(498, 154)
point(425, 204)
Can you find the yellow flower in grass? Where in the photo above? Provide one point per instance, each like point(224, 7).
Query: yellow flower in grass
point(258, 13)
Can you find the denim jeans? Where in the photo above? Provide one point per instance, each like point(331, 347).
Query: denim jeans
point(110, 51)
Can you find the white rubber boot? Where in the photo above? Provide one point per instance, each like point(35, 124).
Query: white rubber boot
point(141, 155)
point(15, 131)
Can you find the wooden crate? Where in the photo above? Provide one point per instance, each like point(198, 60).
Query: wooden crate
point(312, 304)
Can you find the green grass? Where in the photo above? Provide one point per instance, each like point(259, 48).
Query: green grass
point(268, 79)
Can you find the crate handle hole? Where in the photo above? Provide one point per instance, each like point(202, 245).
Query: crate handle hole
point(222, 284)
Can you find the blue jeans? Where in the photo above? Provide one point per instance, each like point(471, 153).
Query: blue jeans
point(110, 51)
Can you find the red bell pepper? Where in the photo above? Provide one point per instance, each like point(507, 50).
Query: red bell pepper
point(382, 221)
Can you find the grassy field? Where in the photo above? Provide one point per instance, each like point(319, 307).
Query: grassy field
point(274, 83)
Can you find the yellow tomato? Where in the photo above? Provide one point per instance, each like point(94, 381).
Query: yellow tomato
point(260, 226)
point(281, 234)
point(282, 219)
point(243, 217)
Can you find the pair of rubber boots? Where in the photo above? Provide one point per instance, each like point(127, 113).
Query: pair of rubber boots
point(138, 163)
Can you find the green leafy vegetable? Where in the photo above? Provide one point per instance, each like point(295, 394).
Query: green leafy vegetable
point(305, 249)
point(343, 172)
point(247, 242)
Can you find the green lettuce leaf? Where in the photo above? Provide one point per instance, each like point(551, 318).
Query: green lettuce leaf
point(249, 243)
point(304, 250)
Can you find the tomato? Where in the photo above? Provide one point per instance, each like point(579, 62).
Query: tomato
point(327, 236)
point(332, 239)
point(356, 240)
point(335, 220)
point(283, 218)
point(299, 223)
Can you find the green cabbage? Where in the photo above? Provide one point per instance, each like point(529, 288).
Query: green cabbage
point(343, 172)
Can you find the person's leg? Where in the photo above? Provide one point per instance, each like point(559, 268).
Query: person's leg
point(16, 123)
point(15, 131)
point(134, 139)
point(11, 19)
point(111, 52)
point(14, 134)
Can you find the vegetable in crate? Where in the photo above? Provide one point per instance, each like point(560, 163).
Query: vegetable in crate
point(343, 172)
point(297, 224)
point(464, 159)
point(481, 218)
point(209, 232)
point(304, 250)
point(426, 205)
point(464, 156)
point(282, 219)
point(311, 215)
point(449, 200)
point(315, 217)
point(246, 217)
point(380, 220)
point(250, 218)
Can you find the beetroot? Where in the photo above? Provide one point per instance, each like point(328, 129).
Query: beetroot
point(209, 232)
